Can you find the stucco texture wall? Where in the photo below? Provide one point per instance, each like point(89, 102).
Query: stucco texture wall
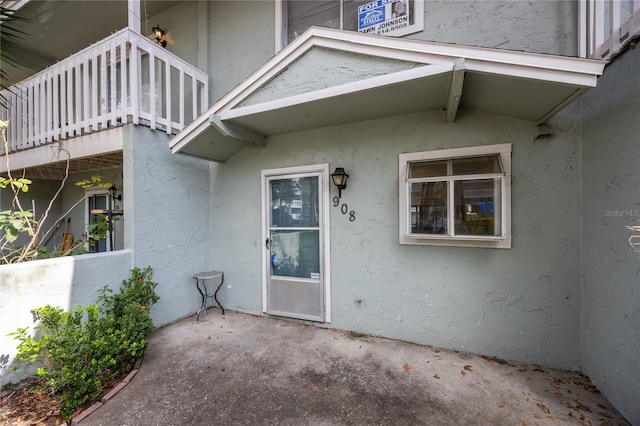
point(520, 304)
point(167, 226)
point(243, 40)
point(531, 26)
point(228, 40)
point(180, 24)
point(611, 202)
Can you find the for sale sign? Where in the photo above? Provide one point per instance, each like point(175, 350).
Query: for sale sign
point(382, 16)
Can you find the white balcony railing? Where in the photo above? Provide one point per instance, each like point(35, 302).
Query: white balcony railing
point(124, 78)
point(605, 26)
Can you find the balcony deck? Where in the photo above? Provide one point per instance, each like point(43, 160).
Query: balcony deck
point(124, 78)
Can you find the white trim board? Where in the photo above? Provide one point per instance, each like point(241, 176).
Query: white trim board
point(103, 142)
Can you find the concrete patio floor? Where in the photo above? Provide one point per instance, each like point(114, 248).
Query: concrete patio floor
point(250, 370)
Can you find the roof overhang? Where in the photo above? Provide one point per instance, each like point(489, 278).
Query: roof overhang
point(281, 97)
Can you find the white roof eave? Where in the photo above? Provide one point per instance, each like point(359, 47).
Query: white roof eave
point(576, 75)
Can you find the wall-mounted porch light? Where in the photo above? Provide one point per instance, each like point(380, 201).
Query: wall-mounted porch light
point(339, 177)
point(113, 190)
point(159, 34)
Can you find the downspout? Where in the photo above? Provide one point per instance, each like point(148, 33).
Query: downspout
point(581, 230)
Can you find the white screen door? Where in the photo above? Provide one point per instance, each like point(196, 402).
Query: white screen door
point(295, 281)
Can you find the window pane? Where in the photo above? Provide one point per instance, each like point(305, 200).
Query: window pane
point(429, 208)
point(97, 202)
point(476, 165)
point(302, 14)
point(294, 202)
point(428, 169)
point(295, 254)
point(351, 14)
point(478, 207)
point(100, 201)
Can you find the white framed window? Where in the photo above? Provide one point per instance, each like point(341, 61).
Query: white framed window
point(96, 205)
point(388, 17)
point(456, 197)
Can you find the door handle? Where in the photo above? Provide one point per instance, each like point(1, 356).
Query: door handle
point(266, 243)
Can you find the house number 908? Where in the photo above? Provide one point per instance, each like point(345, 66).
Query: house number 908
point(344, 209)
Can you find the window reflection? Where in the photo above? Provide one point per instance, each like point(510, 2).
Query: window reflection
point(474, 197)
point(295, 254)
point(294, 202)
point(477, 205)
point(429, 208)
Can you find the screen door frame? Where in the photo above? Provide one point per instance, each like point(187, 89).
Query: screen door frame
point(323, 182)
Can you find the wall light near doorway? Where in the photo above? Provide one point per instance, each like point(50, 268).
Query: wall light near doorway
point(339, 177)
point(159, 34)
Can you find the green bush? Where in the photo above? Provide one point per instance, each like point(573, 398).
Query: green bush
point(84, 348)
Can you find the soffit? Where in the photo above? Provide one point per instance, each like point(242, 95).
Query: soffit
point(290, 94)
point(57, 170)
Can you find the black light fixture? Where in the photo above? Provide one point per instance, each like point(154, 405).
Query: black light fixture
point(159, 34)
point(113, 190)
point(339, 177)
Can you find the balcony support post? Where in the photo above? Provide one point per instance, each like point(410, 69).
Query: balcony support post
point(133, 15)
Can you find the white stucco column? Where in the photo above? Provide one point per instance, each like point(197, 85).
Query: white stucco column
point(133, 15)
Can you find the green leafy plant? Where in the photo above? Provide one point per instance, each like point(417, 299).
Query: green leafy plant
point(99, 228)
point(82, 349)
point(14, 222)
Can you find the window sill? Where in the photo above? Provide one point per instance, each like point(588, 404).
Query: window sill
point(482, 242)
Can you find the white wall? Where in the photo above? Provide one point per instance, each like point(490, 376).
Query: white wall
point(521, 304)
point(611, 202)
point(63, 281)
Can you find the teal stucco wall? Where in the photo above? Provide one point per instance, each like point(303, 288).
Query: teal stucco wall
point(167, 226)
point(530, 26)
point(611, 202)
point(228, 40)
point(521, 304)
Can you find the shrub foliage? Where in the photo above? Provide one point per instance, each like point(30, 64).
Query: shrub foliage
point(84, 348)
